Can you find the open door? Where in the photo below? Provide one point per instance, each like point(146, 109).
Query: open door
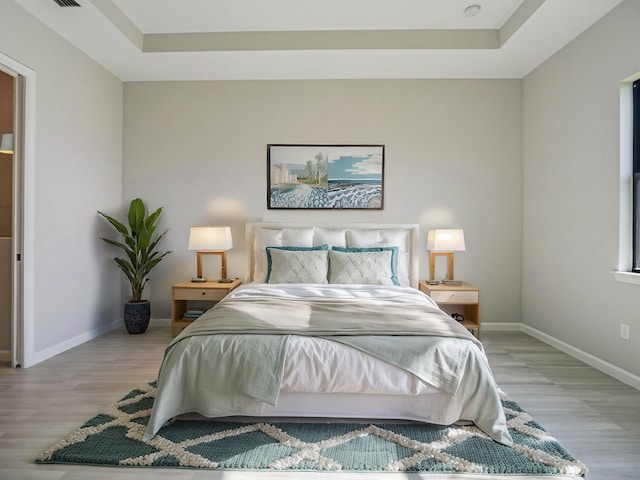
point(13, 127)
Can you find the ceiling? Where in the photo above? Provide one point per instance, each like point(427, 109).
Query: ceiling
point(140, 40)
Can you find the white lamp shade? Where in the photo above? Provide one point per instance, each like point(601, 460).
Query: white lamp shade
point(6, 144)
point(210, 238)
point(446, 240)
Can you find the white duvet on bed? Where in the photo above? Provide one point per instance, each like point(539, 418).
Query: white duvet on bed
point(356, 385)
point(320, 376)
point(319, 365)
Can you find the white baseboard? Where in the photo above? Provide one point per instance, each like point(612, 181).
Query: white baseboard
point(591, 360)
point(54, 350)
point(501, 327)
point(78, 340)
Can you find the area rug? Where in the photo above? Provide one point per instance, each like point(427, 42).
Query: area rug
point(114, 438)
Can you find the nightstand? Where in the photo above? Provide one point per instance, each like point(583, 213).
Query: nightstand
point(208, 293)
point(463, 299)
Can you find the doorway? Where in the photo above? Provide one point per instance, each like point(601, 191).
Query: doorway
point(7, 169)
point(21, 301)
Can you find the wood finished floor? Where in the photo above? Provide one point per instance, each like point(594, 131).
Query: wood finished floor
point(596, 417)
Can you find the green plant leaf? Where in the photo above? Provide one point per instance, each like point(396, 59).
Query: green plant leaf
point(126, 268)
point(152, 220)
point(115, 243)
point(145, 238)
point(136, 215)
point(115, 223)
point(152, 245)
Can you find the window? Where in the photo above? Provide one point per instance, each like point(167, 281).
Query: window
point(628, 268)
point(636, 176)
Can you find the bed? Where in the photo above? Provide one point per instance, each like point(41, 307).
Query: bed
point(318, 298)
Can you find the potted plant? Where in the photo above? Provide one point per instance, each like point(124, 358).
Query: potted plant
point(139, 245)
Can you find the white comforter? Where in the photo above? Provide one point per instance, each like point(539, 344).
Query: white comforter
point(193, 379)
point(320, 365)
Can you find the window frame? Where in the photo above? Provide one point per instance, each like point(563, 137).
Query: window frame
point(635, 86)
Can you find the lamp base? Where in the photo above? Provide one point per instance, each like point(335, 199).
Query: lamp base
point(198, 279)
point(452, 282)
point(225, 280)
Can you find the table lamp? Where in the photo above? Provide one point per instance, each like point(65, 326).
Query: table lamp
point(444, 242)
point(211, 241)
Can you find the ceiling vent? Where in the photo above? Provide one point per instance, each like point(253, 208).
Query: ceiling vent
point(67, 3)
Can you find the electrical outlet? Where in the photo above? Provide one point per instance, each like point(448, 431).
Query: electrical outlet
point(624, 331)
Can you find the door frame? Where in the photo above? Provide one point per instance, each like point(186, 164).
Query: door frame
point(23, 218)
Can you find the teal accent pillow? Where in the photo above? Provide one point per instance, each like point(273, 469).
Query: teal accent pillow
point(367, 265)
point(297, 264)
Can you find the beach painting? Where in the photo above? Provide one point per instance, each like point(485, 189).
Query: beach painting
point(325, 176)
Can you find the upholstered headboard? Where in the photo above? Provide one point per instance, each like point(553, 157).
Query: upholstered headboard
point(262, 234)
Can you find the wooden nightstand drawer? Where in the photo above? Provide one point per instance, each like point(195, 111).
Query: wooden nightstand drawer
point(453, 296)
point(198, 294)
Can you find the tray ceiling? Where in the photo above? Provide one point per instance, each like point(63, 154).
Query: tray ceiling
point(303, 39)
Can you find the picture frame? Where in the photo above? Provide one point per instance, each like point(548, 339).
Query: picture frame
point(320, 177)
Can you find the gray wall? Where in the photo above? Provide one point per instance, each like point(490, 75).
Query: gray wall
point(453, 159)
point(571, 193)
point(77, 167)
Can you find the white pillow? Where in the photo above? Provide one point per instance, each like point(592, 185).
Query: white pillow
point(297, 266)
point(369, 268)
point(267, 237)
point(333, 237)
point(385, 238)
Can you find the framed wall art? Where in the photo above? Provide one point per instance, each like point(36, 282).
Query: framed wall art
point(325, 176)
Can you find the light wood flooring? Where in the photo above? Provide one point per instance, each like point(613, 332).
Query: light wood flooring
point(596, 417)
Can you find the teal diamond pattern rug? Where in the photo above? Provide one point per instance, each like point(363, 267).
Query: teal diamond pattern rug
point(114, 438)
